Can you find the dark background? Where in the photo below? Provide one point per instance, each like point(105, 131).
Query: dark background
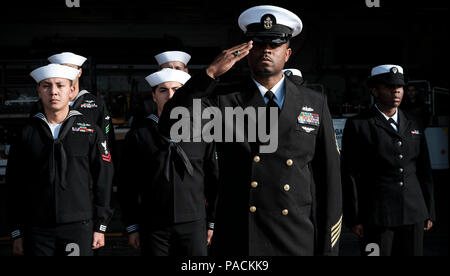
point(340, 43)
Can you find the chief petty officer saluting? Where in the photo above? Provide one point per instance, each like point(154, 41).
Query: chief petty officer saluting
point(388, 187)
point(283, 203)
point(53, 208)
point(164, 185)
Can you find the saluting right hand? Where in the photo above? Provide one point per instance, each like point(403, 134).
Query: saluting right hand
point(226, 60)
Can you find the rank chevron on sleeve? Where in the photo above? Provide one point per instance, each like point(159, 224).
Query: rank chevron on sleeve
point(106, 158)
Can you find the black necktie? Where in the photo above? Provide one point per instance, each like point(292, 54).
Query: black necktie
point(271, 103)
point(392, 121)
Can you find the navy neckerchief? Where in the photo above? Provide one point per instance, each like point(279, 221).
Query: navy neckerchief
point(57, 158)
point(171, 154)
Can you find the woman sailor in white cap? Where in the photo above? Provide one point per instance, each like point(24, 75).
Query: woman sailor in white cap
point(164, 185)
point(145, 105)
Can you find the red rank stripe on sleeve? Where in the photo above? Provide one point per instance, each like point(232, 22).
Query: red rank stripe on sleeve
point(106, 158)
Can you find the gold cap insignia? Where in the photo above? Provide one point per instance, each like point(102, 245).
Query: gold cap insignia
point(268, 23)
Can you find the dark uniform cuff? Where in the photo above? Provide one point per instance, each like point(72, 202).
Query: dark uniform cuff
point(132, 228)
point(211, 225)
point(16, 234)
point(100, 227)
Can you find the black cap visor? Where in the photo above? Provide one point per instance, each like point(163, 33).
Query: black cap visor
point(388, 79)
point(277, 34)
point(267, 38)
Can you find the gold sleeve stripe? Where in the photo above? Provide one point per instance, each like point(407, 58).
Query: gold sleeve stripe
point(337, 224)
point(335, 239)
point(335, 231)
point(337, 234)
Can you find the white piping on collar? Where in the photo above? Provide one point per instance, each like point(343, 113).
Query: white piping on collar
point(153, 117)
point(41, 116)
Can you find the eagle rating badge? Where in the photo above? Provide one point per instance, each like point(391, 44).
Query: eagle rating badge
point(106, 155)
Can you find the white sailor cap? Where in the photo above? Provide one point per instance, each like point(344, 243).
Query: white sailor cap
point(387, 68)
point(67, 58)
point(292, 71)
point(173, 56)
point(166, 75)
point(388, 74)
point(270, 23)
point(54, 71)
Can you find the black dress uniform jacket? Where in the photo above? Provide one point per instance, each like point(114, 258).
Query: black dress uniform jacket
point(61, 180)
point(386, 174)
point(162, 182)
point(282, 203)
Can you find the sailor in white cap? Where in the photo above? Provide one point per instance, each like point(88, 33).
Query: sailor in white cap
point(387, 179)
point(84, 101)
point(294, 74)
point(166, 215)
point(287, 202)
point(59, 174)
point(68, 58)
point(164, 84)
point(145, 105)
point(292, 71)
point(54, 71)
point(72, 60)
point(50, 76)
point(173, 59)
